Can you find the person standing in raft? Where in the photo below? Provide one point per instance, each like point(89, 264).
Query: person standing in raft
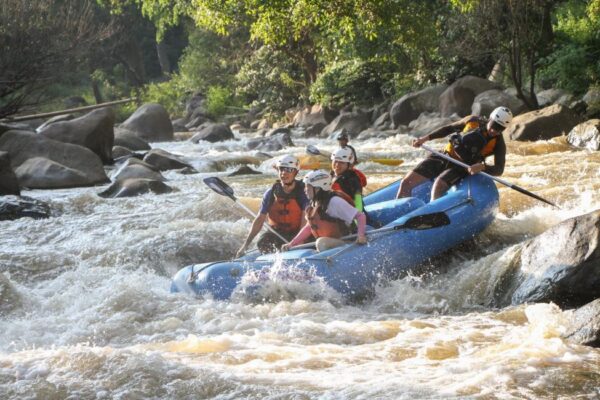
point(282, 206)
point(481, 138)
point(329, 215)
point(344, 177)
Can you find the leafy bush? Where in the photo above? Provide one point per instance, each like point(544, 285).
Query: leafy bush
point(355, 81)
point(170, 94)
point(218, 100)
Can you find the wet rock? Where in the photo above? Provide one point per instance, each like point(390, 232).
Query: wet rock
point(93, 130)
point(129, 140)
point(428, 122)
point(213, 133)
point(584, 325)
point(272, 143)
point(164, 161)
point(22, 146)
point(354, 122)
point(9, 183)
point(458, 97)
point(314, 130)
point(42, 173)
point(134, 168)
point(9, 297)
point(135, 187)
point(276, 131)
point(179, 125)
point(562, 265)
point(244, 170)
point(15, 207)
point(188, 171)
point(411, 105)
point(150, 122)
point(119, 152)
point(586, 135)
point(382, 122)
point(542, 124)
point(487, 101)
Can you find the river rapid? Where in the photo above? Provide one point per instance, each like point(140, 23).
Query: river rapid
point(87, 312)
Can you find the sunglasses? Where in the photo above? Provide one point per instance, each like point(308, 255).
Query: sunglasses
point(286, 169)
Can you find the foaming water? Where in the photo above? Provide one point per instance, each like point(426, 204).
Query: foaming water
point(85, 308)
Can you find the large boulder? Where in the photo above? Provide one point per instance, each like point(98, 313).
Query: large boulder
point(9, 184)
point(137, 169)
point(586, 135)
point(543, 124)
point(273, 143)
point(93, 130)
point(150, 122)
point(129, 140)
point(584, 325)
point(14, 126)
point(14, 207)
point(313, 115)
point(58, 118)
point(548, 97)
point(23, 145)
point(428, 122)
point(135, 187)
point(411, 105)
point(458, 97)
point(164, 161)
point(487, 101)
point(42, 173)
point(562, 265)
point(213, 133)
point(354, 122)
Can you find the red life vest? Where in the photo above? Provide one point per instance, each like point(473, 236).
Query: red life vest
point(361, 177)
point(285, 213)
point(322, 225)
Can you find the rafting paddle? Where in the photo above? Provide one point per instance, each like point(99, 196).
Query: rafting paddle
point(418, 222)
point(224, 189)
point(312, 150)
point(499, 180)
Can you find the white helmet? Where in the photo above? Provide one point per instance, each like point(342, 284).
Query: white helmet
point(319, 179)
point(343, 154)
point(502, 116)
point(287, 161)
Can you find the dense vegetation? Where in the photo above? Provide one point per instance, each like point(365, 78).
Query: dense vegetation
point(281, 53)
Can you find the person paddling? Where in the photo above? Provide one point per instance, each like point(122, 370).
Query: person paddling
point(481, 138)
point(344, 177)
point(342, 138)
point(329, 215)
point(282, 207)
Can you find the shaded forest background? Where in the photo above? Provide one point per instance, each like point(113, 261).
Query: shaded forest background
point(278, 54)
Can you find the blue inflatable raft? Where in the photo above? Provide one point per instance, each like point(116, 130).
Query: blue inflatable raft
point(408, 232)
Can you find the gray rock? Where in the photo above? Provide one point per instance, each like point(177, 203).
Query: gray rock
point(42, 173)
point(458, 97)
point(411, 105)
point(119, 152)
point(135, 187)
point(150, 122)
point(353, 122)
point(129, 140)
point(93, 130)
point(9, 183)
point(487, 101)
point(314, 130)
point(543, 124)
point(213, 133)
point(164, 161)
point(586, 135)
point(584, 325)
point(137, 169)
point(58, 118)
point(244, 170)
point(562, 265)
point(273, 143)
point(23, 146)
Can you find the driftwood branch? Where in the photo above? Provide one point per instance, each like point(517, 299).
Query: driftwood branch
point(68, 111)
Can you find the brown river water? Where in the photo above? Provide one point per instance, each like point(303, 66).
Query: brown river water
point(87, 313)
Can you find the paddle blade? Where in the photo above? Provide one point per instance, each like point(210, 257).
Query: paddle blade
point(310, 149)
point(425, 221)
point(219, 186)
point(386, 161)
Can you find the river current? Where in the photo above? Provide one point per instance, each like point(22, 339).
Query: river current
point(86, 313)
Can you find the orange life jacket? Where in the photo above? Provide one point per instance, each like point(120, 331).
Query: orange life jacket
point(322, 225)
point(337, 187)
point(475, 140)
point(285, 213)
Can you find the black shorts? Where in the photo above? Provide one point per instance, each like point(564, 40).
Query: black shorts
point(435, 166)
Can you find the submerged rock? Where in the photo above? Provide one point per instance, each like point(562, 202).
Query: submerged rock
point(164, 161)
point(15, 207)
point(244, 170)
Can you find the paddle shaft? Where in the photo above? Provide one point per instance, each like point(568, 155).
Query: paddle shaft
point(499, 180)
point(312, 150)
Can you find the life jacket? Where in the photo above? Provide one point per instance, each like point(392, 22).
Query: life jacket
point(344, 181)
point(285, 212)
point(474, 144)
point(361, 177)
point(322, 224)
